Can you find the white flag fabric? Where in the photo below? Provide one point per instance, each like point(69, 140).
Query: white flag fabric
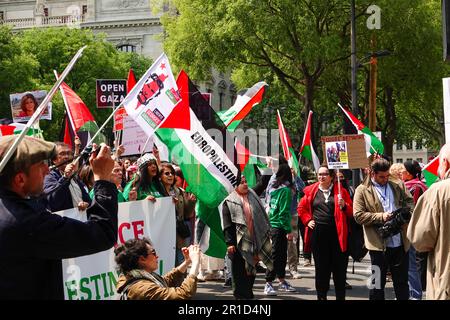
point(153, 98)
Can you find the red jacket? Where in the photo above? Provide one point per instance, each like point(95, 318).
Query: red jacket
point(304, 211)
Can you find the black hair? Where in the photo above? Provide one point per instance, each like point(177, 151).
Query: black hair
point(380, 165)
point(413, 167)
point(127, 254)
point(283, 175)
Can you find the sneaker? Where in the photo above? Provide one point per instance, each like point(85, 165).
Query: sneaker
point(348, 286)
point(201, 277)
point(269, 290)
point(227, 283)
point(285, 286)
point(260, 268)
point(307, 263)
point(295, 275)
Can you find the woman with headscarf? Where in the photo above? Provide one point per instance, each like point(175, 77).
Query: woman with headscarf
point(247, 235)
point(145, 184)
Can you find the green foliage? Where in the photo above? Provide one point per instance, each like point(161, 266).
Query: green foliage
point(52, 49)
point(290, 44)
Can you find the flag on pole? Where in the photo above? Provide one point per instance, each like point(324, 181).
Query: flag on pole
point(288, 150)
point(373, 144)
point(81, 117)
point(307, 149)
point(245, 101)
point(131, 80)
point(209, 172)
point(17, 128)
point(154, 97)
point(247, 161)
point(430, 171)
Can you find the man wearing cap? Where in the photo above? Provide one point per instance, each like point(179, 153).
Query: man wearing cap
point(32, 239)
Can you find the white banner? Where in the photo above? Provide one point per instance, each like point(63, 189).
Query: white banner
point(153, 98)
point(94, 277)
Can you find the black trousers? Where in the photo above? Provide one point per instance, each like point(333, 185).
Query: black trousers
point(398, 262)
point(328, 259)
point(242, 282)
point(421, 260)
point(279, 254)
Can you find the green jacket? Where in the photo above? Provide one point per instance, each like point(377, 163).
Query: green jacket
point(280, 208)
point(154, 190)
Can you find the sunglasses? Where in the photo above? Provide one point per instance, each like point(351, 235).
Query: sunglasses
point(167, 173)
point(153, 252)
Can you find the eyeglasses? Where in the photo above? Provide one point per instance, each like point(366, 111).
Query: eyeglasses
point(323, 174)
point(167, 173)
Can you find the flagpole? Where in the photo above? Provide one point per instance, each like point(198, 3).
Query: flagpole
point(284, 137)
point(69, 115)
point(41, 108)
point(145, 145)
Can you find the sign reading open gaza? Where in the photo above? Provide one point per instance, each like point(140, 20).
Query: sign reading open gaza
point(110, 93)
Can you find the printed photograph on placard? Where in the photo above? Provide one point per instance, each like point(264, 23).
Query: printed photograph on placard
point(23, 105)
point(336, 153)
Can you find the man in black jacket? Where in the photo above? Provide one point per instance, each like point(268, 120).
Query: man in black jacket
point(32, 239)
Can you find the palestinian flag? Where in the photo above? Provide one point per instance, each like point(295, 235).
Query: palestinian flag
point(245, 101)
point(430, 171)
point(373, 144)
point(209, 172)
point(307, 149)
point(288, 150)
point(131, 81)
point(81, 121)
point(17, 128)
point(247, 162)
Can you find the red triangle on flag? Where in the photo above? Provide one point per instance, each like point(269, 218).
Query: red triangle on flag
point(180, 117)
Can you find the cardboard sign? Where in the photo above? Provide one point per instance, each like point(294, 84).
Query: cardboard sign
point(345, 151)
point(110, 93)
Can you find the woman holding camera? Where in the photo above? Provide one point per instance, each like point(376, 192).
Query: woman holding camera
point(325, 210)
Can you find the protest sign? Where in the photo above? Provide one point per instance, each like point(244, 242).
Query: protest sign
point(345, 151)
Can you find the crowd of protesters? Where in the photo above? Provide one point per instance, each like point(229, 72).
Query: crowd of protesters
point(261, 225)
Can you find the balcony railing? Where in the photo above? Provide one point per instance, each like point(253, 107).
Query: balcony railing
point(44, 21)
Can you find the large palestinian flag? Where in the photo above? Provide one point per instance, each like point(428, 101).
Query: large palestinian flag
point(209, 172)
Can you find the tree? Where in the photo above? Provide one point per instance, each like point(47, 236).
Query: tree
point(16, 69)
point(52, 49)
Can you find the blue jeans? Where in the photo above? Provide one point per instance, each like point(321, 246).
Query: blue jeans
point(415, 286)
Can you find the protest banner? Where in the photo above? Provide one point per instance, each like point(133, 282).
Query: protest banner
point(345, 151)
point(110, 92)
point(94, 277)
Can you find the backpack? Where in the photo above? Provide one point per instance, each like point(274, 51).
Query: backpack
point(356, 248)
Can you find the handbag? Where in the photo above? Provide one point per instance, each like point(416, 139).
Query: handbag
point(182, 229)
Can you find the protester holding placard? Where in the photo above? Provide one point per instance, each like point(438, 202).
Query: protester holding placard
point(325, 210)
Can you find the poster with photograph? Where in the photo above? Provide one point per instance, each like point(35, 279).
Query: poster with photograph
point(337, 156)
point(24, 104)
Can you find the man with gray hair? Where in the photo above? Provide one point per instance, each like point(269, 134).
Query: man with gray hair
point(429, 230)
